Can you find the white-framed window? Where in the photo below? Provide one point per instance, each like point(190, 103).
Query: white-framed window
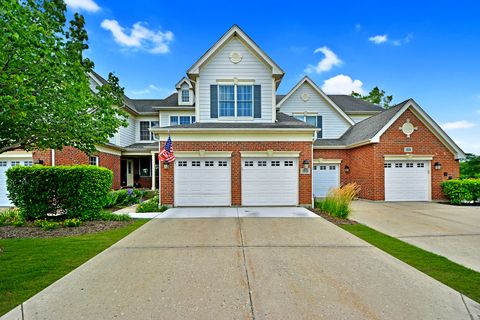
point(185, 95)
point(28, 163)
point(176, 120)
point(209, 163)
point(262, 163)
point(145, 167)
point(15, 163)
point(288, 163)
point(145, 134)
point(314, 120)
point(248, 163)
point(93, 160)
point(235, 100)
point(275, 163)
point(222, 163)
point(195, 163)
point(182, 163)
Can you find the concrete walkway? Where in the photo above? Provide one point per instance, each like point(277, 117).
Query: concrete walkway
point(450, 231)
point(245, 268)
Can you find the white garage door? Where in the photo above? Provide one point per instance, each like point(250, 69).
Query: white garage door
point(407, 180)
point(202, 182)
point(6, 163)
point(325, 177)
point(269, 181)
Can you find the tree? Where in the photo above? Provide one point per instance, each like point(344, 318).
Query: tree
point(470, 167)
point(45, 95)
point(376, 96)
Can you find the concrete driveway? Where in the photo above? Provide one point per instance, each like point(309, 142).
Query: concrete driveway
point(245, 268)
point(450, 231)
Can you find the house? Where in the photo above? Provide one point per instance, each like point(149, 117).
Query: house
point(239, 143)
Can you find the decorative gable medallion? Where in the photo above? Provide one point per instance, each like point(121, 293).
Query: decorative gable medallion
point(235, 57)
point(408, 128)
point(305, 97)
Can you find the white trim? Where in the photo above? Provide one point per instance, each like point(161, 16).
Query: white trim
point(203, 154)
point(326, 161)
point(235, 31)
point(321, 93)
point(230, 130)
point(16, 154)
point(182, 81)
point(136, 153)
point(270, 154)
point(108, 150)
point(392, 157)
point(53, 157)
point(237, 136)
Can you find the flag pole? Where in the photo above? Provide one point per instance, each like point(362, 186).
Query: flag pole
point(159, 177)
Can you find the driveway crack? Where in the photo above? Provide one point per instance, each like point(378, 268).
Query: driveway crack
point(252, 310)
point(466, 307)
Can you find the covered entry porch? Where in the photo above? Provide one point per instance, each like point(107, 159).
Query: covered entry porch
point(139, 169)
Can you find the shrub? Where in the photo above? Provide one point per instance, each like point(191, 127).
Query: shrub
point(151, 206)
point(108, 216)
point(126, 197)
point(46, 225)
point(12, 217)
point(338, 200)
point(71, 191)
point(70, 223)
point(461, 191)
point(111, 199)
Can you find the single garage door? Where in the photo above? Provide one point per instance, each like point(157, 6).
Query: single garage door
point(407, 180)
point(325, 177)
point(5, 164)
point(270, 181)
point(202, 182)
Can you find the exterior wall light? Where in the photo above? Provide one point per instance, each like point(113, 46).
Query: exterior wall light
point(347, 169)
point(306, 164)
point(39, 162)
point(437, 166)
point(166, 165)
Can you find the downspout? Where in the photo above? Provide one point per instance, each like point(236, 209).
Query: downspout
point(53, 157)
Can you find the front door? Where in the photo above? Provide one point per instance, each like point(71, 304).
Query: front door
point(129, 173)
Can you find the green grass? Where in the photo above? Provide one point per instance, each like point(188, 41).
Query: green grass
point(29, 265)
point(460, 278)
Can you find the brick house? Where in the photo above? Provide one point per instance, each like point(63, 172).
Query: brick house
point(238, 143)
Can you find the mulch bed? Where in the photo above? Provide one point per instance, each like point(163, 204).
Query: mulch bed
point(334, 220)
point(32, 231)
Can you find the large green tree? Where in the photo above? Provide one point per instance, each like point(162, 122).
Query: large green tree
point(470, 167)
point(45, 96)
point(376, 96)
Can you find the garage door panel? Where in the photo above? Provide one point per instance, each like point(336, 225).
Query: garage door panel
point(407, 180)
point(325, 177)
point(5, 164)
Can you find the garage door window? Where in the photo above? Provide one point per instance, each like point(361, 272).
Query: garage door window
point(195, 163)
point(275, 163)
point(15, 163)
point(332, 167)
point(3, 163)
point(208, 163)
point(262, 163)
point(409, 165)
point(289, 163)
point(28, 163)
point(222, 163)
point(387, 165)
point(248, 163)
point(420, 165)
point(322, 168)
point(398, 165)
point(182, 163)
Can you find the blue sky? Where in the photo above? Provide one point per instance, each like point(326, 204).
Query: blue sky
point(426, 50)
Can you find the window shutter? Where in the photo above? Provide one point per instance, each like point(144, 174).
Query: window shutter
point(213, 101)
point(319, 125)
point(257, 101)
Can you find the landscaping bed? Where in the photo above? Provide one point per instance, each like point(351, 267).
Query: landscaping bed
point(332, 219)
point(30, 230)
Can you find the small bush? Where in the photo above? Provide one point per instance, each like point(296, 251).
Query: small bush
point(12, 217)
point(111, 199)
point(461, 191)
point(127, 197)
point(151, 206)
point(108, 216)
point(46, 225)
point(338, 200)
point(71, 223)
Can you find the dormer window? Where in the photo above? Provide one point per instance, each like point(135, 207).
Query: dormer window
point(185, 95)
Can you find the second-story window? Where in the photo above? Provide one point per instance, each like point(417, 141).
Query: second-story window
point(145, 134)
point(235, 100)
point(176, 120)
point(185, 95)
point(315, 121)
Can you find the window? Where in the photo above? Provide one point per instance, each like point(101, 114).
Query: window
point(222, 163)
point(3, 163)
point(322, 168)
point(145, 134)
point(208, 163)
point(185, 95)
point(235, 100)
point(195, 163)
point(387, 165)
point(288, 163)
point(15, 163)
point(176, 120)
point(93, 161)
point(182, 163)
point(226, 100)
point(262, 163)
point(145, 167)
point(315, 121)
point(332, 167)
point(275, 163)
point(398, 165)
point(185, 119)
point(28, 163)
point(420, 165)
point(409, 165)
point(244, 101)
point(248, 163)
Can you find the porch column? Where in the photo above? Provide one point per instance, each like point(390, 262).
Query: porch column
point(153, 171)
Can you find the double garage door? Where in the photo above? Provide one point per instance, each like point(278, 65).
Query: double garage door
point(407, 180)
point(208, 181)
point(5, 164)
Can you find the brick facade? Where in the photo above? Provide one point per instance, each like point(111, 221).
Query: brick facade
point(305, 149)
point(366, 162)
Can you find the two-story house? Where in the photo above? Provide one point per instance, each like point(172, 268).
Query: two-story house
point(239, 143)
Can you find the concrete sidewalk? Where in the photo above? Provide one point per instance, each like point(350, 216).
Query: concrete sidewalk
point(450, 231)
point(245, 268)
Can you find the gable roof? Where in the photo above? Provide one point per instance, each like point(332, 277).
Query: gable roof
point(371, 129)
point(351, 104)
point(236, 31)
point(306, 79)
point(182, 81)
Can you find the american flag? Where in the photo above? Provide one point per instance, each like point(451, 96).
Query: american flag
point(166, 154)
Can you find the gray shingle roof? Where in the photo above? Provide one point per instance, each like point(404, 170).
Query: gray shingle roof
point(363, 130)
point(347, 103)
point(142, 146)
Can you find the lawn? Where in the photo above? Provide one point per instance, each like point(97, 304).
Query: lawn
point(29, 265)
point(458, 277)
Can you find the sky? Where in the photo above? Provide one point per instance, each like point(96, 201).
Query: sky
point(425, 50)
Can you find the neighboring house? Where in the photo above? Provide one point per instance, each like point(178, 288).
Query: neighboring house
point(239, 143)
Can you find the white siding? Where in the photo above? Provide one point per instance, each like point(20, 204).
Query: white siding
point(221, 68)
point(165, 116)
point(127, 134)
point(334, 125)
point(359, 117)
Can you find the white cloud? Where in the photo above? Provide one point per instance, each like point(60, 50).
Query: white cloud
point(456, 125)
point(405, 40)
point(330, 60)
point(87, 5)
point(140, 37)
point(378, 39)
point(342, 84)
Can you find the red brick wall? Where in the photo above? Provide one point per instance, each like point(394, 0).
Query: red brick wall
point(305, 149)
point(72, 156)
point(366, 162)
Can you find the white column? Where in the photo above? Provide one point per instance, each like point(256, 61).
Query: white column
point(153, 171)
